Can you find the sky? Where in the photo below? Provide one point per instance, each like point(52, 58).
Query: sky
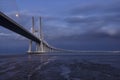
point(68, 24)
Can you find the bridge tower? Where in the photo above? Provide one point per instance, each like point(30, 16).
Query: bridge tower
point(41, 35)
point(39, 46)
point(33, 31)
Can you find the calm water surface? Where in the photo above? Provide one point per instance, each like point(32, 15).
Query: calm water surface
point(60, 66)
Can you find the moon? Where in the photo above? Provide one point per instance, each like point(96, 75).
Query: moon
point(17, 15)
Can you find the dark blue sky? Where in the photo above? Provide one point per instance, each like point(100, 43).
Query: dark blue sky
point(69, 24)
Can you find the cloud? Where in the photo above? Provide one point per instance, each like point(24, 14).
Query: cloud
point(4, 34)
point(96, 16)
point(8, 35)
point(90, 36)
point(97, 7)
point(88, 41)
point(114, 18)
point(106, 23)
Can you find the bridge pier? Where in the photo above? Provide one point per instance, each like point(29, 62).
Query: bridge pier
point(30, 46)
point(41, 46)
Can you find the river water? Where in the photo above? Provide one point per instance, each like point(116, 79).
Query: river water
point(60, 66)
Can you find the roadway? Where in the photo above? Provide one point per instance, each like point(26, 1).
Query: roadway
point(10, 24)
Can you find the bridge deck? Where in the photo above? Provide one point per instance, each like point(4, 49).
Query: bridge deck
point(10, 24)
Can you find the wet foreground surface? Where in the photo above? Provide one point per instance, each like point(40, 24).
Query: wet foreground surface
point(60, 67)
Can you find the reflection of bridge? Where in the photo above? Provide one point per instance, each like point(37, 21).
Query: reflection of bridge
point(42, 46)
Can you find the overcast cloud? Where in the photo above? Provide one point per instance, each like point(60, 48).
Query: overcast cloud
point(75, 23)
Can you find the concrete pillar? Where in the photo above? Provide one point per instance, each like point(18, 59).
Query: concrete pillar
point(30, 43)
point(30, 46)
point(41, 36)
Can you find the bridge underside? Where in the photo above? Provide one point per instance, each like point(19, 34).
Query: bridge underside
point(8, 23)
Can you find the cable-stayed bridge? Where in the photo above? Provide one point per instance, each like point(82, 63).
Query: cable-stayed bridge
point(41, 45)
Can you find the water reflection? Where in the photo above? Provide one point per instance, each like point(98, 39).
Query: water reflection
point(29, 58)
point(43, 59)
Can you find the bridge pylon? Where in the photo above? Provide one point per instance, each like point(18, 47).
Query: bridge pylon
point(39, 46)
point(41, 36)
